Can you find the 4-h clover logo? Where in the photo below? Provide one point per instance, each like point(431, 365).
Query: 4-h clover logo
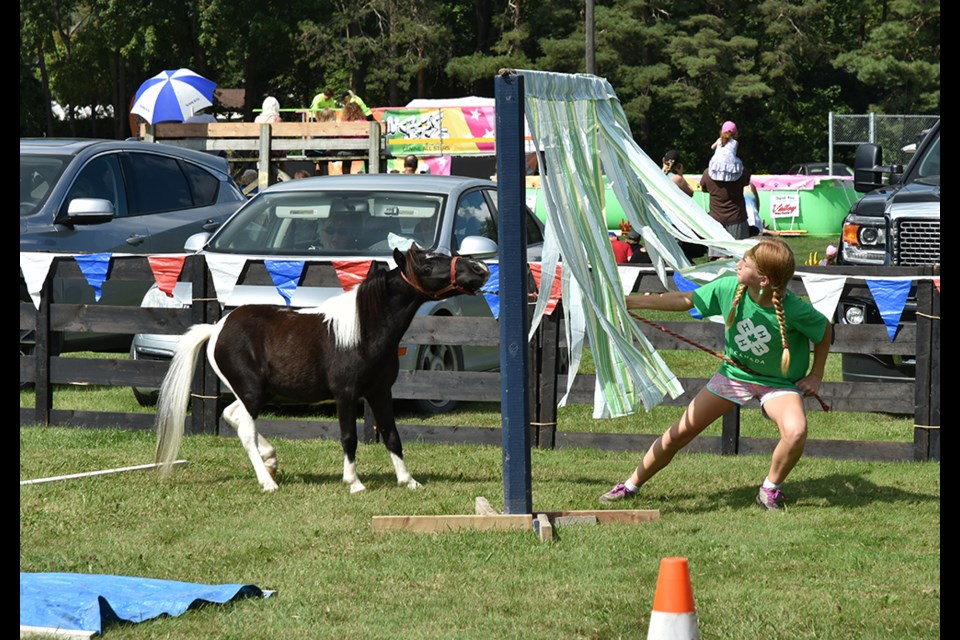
point(752, 337)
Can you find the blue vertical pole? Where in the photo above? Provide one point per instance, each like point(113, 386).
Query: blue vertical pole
point(514, 358)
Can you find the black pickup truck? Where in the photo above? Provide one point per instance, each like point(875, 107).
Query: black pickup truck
point(896, 223)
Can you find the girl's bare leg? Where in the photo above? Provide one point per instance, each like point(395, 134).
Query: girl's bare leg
point(787, 411)
point(702, 411)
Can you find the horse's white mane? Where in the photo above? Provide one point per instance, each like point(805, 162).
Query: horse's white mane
point(340, 315)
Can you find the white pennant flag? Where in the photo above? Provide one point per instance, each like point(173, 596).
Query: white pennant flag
point(824, 291)
point(628, 277)
point(225, 271)
point(35, 267)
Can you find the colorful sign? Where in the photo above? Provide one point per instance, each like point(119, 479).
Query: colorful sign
point(439, 132)
point(784, 205)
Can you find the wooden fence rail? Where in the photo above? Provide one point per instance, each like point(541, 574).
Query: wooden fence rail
point(46, 370)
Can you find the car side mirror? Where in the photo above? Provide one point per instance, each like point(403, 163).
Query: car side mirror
point(196, 242)
point(478, 247)
point(89, 211)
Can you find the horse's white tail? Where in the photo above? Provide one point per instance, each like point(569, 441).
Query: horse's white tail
point(175, 394)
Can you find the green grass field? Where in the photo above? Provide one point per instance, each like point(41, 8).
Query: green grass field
point(856, 554)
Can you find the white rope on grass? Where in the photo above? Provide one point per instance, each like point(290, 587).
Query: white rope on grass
point(101, 472)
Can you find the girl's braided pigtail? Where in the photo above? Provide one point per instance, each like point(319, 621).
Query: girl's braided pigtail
point(736, 300)
point(781, 320)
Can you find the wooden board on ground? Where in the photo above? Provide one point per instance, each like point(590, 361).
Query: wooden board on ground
point(432, 524)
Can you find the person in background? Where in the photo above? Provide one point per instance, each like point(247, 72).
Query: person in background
point(621, 250)
point(322, 167)
point(769, 330)
point(638, 254)
point(410, 164)
point(725, 165)
point(349, 97)
point(200, 116)
point(249, 182)
point(301, 173)
point(321, 101)
point(269, 112)
point(727, 205)
point(352, 112)
point(829, 256)
point(673, 169)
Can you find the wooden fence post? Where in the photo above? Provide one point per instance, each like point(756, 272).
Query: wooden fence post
point(373, 158)
point(730, 433)
point(205, 402)
point(547, 366)
point(43, 404)
point(926, 431)
point(263, 165)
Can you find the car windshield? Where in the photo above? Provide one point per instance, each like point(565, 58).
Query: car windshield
point(927, 168)
point(338, 223)
point(38, 174)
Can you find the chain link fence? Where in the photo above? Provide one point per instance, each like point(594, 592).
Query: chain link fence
point(897, 134)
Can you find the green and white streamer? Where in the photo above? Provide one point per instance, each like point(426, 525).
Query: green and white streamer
point(582, 134)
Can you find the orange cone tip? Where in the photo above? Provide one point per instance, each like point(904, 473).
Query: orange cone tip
point(674, 616)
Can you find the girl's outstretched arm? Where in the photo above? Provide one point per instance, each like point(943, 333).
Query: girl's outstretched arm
point(810, 383)
point(669, 301)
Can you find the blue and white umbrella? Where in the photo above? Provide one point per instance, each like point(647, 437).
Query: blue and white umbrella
point(173, 96)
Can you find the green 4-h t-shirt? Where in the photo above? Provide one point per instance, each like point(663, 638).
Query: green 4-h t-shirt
point(754, 338)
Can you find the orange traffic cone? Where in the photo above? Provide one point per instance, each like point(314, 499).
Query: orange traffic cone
point(674, 616)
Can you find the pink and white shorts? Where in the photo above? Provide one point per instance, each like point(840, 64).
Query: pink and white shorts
point(743, 392)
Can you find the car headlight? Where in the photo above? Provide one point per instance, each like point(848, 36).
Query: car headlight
point(864, 240)
point(854, 314)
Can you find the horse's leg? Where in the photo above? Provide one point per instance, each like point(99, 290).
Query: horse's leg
point(382, 406)
point(347, 416)
point(237, 416)
point(266, 450)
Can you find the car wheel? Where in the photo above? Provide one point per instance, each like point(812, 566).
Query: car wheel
point(438, 357)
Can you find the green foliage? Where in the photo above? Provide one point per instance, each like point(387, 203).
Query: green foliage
point(777, 67)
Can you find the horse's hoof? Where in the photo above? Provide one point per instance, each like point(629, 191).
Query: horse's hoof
point(273, 472)
point(270, 486)
point(413, 484)
point(357, 487)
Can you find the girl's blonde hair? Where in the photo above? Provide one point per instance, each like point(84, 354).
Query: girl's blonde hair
point(774, 259)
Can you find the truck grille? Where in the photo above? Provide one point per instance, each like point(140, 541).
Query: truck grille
point(918, 242)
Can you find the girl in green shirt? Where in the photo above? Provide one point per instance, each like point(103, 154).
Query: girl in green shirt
point(769, 330)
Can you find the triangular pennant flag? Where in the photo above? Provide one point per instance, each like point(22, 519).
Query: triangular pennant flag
point(686, 285)
point(352, 272)
point(35, 267)
point(94, 267)
point(628, 277)
point(556, 288)
point(491, 290)
point(824, 292)
point(225, 270)
point(285, 275)
point(166, 271)
point(890, 296)
point(936, 281)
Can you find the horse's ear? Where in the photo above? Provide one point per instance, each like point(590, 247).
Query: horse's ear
point(400, 259)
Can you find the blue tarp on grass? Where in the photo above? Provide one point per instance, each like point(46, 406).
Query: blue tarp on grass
point(92, 602)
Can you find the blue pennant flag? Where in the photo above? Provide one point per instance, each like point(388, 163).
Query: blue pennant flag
point(890, 296)
point(286, 275)
point(491, 290)
point(94, 267)
point(686, 285)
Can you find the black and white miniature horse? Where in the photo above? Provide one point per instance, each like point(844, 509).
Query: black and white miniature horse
point(344, 350)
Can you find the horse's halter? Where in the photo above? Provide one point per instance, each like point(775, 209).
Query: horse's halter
point(448, 291)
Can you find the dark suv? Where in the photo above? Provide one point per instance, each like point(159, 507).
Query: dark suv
point(108, 196)
point(894, 224)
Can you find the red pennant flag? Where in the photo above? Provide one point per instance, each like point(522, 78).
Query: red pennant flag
point(936, 281)
point(166, 271)
point(351, 272)
point(536, 271)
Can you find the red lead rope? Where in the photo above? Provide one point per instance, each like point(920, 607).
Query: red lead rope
point(823, 405)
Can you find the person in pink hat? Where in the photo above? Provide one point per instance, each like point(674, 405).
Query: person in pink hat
point(725, 165)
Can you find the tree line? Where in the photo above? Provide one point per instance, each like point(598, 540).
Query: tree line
point(679, 67)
